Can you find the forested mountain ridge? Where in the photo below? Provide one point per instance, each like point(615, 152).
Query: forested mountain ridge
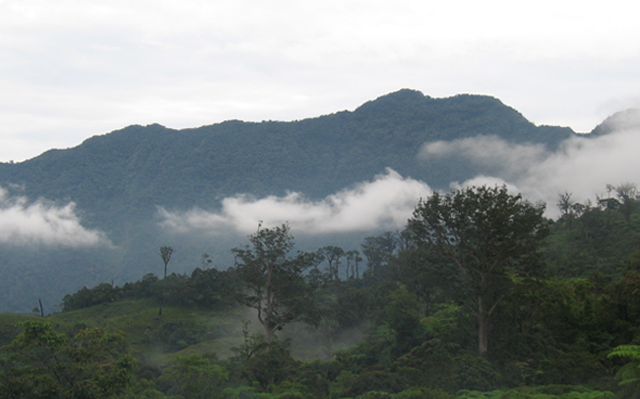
point(133, 169)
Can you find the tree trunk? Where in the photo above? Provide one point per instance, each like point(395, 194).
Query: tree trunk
point(483, 327)
point(268, 336)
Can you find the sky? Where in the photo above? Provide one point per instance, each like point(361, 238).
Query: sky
point(72, 69)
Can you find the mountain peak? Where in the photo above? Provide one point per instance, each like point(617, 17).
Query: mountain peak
point(623, 120)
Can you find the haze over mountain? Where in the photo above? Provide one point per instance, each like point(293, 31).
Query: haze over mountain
point(99, 211)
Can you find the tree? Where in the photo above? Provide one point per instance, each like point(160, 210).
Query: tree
point(567, 207)
point(46, 363)
point(628, 195)
point(205, 259)
point(332, 255)
point(274, 282)
point(165, 253)
point(488, 235)
point(353, 260)
point(194, 376)
point(378, 249)
point(565, 204)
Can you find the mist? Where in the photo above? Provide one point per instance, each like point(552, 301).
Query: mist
point(582, 166)
point(384, 203)
point(44, 223)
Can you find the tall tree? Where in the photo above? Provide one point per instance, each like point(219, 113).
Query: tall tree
point(488, 235)
point(165, 254)
point(353, 259)
point(567, 207)
point(274, 282)
point(628, 195)
point(378, 249)
point(332, 255)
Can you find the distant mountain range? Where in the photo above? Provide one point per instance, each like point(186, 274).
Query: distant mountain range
point(118, 180)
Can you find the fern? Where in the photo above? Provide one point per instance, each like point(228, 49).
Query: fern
point(629, 374)
point(632, 351)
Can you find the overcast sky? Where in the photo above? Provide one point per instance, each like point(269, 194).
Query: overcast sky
point(70, 69)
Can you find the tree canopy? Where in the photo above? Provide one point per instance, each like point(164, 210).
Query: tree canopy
point(488, 235)
point(274, 283)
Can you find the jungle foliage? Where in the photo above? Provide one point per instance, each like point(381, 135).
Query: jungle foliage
point(401, 328)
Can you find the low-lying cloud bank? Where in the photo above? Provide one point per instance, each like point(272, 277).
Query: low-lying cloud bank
point(582, 166)
point(42, 223)
point(384, 203)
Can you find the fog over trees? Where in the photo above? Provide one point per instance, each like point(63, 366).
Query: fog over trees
point(478, 295)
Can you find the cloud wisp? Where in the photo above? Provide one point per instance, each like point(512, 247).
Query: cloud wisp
point(490, 154)
point(384, 203)
point(43, 223)
point(582, 166)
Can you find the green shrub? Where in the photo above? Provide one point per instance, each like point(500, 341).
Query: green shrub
point(375, 395)
point(423, 393)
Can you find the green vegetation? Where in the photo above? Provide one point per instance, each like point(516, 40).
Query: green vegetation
point(274, 282)
point(490, 236)
point(47, 363)
point(118, 180)
point(406, 327)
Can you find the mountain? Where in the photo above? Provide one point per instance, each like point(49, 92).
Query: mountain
point(136, 168)
point(623, 120)
point(118, 180)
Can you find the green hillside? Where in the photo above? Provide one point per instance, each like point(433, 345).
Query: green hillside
point(126, 173)
point(118, 180)
point(479, 296)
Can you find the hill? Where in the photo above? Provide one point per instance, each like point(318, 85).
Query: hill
point(136, 168)
point(118, 180)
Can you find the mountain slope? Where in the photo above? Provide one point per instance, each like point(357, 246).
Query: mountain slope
point(137, 167)
point(118, 180)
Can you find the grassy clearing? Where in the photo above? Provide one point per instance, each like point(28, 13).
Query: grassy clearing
point(180, 331)
point(157, 337)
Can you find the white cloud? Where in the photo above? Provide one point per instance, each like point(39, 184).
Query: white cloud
point(582, 166)
point(482, 180)
point(385, 203)
point(42, 223)
point(488, 153)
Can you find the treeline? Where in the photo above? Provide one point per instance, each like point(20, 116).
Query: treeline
point(210, 288)
point(595, 236)
point(205, 288)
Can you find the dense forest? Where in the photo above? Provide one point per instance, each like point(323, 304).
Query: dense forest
point(479, 296)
